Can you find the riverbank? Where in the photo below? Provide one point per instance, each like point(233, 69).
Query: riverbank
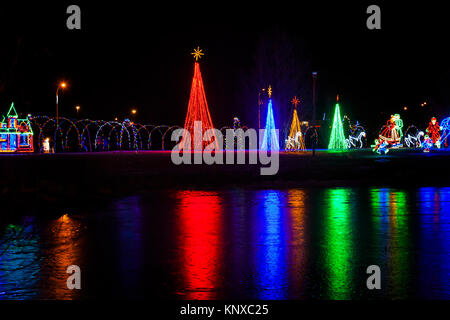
point(78, 176)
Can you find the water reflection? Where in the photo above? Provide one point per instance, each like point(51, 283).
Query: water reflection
point(339, 240)
point(391, 217)
point(34, 258)
point(298, 254)
point(127, 253)
point(247, 244)
point(271, 281)
point(19, 261)
point(434, 261)
point(399, 244)
point(200, 243)
point(240, 227)
point(62, 250)
point(379, 213)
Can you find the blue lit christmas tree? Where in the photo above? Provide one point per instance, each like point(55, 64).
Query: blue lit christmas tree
point(270, 138)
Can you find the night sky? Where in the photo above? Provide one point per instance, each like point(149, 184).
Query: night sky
point(131, 55)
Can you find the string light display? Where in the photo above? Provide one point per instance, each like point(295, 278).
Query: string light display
point(391, 134)
point(445, 125)
point(236, 123)
point(295, 142)
point(337, 138)
point(433, 132)
point(427, 143)
point(197, 53)
point(16, 135)
point(198, 110)
point(98, 135)
point(270, 138)
point(383, 148)
point(413, 137)
point(357, 135)
point(398, 125)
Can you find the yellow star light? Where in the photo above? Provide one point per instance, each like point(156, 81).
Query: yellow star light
point(197, 53)
point(269, 91)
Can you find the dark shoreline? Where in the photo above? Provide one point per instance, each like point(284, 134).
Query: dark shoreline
point(72, 178)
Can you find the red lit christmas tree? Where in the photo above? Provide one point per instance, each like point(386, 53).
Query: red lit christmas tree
point(198, 111)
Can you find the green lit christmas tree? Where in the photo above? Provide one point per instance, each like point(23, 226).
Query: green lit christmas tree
point(337, 138)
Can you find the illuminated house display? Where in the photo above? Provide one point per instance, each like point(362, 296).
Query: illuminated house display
point(16, 135)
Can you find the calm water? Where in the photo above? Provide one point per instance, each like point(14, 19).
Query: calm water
point(261, 244)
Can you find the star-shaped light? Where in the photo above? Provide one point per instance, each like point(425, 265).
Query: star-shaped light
point(295, 101)
point(197, 53)
point(269, 91)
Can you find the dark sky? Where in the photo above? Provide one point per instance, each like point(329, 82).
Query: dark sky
point(131, 55)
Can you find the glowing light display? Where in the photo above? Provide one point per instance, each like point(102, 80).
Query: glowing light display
point(295, 102)
point(16, 135)
point(197, 53)
point(433, 131)
point(46, 146)
point(87, 135)
point(198, 111)
point(295, 141)
point(445, 124)
point(357, 137)
point(413, 137)
point(392, 132)
point(427, 143)
point(270, 137)
point(337, 138)
point(236, 123)
point(390, 135)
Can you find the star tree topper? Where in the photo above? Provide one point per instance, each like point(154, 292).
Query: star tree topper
point(295, 101)
point(197, 53)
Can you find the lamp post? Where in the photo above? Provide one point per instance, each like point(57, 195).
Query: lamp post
point(314, 75)
point(259, 107)
point(62, 85)
point(133, 114)
point(78, 109)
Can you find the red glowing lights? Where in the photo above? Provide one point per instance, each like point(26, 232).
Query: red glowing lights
point(433, 130)
point(198, 111)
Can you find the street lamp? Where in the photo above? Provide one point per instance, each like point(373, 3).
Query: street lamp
point(61, 85)
point(314, 75)
point(259, 107)
point(78, 109)
point(133, 111)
